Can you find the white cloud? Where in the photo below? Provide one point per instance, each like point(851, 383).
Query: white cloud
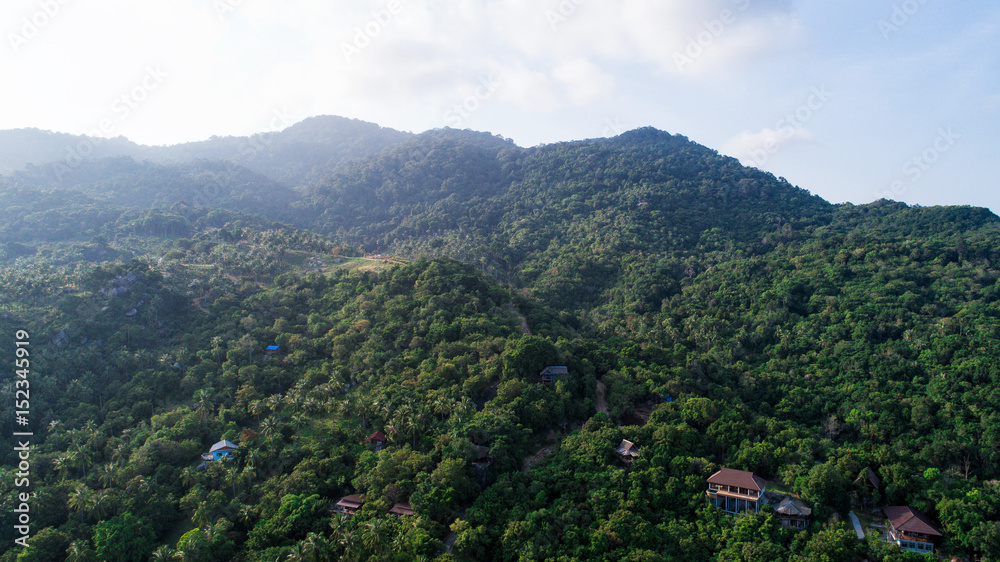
point(228, 70)
point(757, 148)
point(584, 81)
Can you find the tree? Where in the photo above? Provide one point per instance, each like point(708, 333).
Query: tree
point(79, 551)
point(81, 500)
point(124, 538)
point(527, 356)
point(47, 544)
point(832, 543)
point(825, 485)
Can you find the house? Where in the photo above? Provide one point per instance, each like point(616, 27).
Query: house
point(378, 438)
point(348, 505)
point(869, 479)
point(549, 374)
point(627, 451)
point(736, 491)
point(483, 456)
point(272, 349)
point(910, 529)
point(401, 509)
point(867, 485)
point(793, 514)
point(219, 451)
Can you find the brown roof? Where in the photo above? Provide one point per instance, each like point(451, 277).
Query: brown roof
point(738, 478)
point(792, 506)
point(402, 509)
point(352, 501)
point(908, 520)
point(628, 448)
point(871, 476)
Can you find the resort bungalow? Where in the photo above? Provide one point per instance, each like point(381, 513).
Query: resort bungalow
point(219, 451)
point(627, 451)
point(793, 514)
point(348, 505)
point(867, 486)
point(549, 374)
point(910, 529)
point(736, 491)
point(401, 509)
point(377, 439)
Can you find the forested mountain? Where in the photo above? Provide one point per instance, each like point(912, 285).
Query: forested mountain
point(290, 156)
point(711, 314)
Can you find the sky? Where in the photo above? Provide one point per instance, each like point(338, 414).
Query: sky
point(853, 100)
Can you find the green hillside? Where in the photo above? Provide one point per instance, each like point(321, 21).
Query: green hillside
point(417, 285)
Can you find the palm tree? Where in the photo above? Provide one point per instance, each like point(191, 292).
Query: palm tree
point(274, 402)
point(442, 406)
point(79, 499)
point(256, 408)
point(300, 420)
point(233, 473)
point(338, 525)
point(163, 553)
point(203, 515)
point(217, 347)
point(62, 464)
point(347, 542)
point(245, 515)
point(311, 406)
point(296, 555)
point(54, 427)
point(100, 504)
point(269, 429)
point(78, 551)
point(106, 474)
point(121, 451)
point(189, 477)
point(81, 456)
point(204, 405)
point(316, 547)
point(373, 535)
point(406, 423)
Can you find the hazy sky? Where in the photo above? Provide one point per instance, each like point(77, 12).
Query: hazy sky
point(852, 100)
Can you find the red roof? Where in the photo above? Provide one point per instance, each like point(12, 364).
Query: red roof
point(377, 436)
point(908, 520)
point(738, 478)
